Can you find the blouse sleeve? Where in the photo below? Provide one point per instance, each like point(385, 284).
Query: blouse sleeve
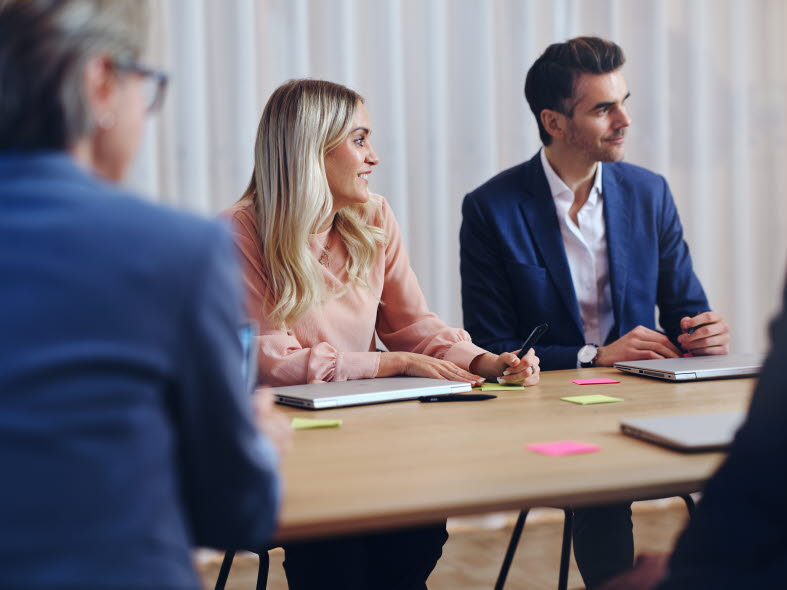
point(281, 359)
point(404, 322)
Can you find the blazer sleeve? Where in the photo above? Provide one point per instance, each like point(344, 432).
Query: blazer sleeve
point(404, 322)
point(679, 292)
point(492, 312)
point(229, 469)
point(737, 537)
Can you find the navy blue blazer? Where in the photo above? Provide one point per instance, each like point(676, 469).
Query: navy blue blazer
point(125, 423)
point(515, 272)
point(737, 537)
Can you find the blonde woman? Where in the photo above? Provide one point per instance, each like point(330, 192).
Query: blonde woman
point(326, 271)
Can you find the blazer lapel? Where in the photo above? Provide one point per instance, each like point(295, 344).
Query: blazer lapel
point(616, 218)
point(539, 211)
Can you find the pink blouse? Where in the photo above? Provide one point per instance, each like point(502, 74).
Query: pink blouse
point(335, 341)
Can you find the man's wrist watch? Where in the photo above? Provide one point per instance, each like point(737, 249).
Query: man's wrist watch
point(587, 355)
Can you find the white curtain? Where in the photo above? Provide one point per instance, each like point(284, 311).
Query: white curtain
point(443, 82)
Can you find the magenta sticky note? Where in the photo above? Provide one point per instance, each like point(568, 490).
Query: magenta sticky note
point(593, 381)
point(563, 447)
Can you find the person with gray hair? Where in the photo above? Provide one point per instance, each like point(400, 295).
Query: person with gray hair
point(127, 430)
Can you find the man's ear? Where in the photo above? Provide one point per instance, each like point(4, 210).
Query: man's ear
point(100, 86)
point(554, 122)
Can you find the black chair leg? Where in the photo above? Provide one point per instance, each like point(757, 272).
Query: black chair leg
point(689, 504)
point(224, 572)
point(512, 545)
point(565, 554)
point(262, 574)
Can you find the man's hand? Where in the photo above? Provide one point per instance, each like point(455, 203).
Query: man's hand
point(639, 344)
point(710, 334)
point(511, 369)
point(271, 422)
point(648, 571)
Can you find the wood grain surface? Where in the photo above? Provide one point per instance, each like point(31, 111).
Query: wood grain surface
point(408, 463)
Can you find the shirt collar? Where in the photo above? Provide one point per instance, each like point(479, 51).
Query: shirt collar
point(560, 190)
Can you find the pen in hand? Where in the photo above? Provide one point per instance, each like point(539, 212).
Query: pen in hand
point(537, 332)
point(535, 335)
point(693, 329)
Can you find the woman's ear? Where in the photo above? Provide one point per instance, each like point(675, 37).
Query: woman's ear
point(554, 122)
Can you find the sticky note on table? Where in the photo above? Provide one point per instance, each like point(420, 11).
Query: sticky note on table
point(563, 447)
point(593, 381)
point(500, 387)
point(586, 400)
point(304, 423)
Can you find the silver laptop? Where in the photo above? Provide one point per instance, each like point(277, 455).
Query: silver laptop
point(686, 432)
point(319, 396)
point(695, 367)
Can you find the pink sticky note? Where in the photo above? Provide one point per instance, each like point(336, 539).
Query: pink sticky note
point(563, 447)
point(593, 381)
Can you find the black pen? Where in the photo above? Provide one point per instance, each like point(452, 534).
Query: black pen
point(456, 397)
point(537, 332)
point(691, 331)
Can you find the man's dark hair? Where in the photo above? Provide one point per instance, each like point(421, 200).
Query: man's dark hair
point(551, 79)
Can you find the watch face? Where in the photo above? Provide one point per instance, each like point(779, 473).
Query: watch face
point(587, 353)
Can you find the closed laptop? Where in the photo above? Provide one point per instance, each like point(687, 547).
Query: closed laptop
point(686, 432)
point(695, 367)
point(319, 396)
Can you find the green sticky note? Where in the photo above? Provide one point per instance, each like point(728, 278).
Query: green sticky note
point(500, 387)
point(591, 399)
point(304, 423)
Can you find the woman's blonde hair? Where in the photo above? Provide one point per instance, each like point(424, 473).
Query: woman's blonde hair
point(301, 123)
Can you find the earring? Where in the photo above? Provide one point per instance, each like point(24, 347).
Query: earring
point(107, 120)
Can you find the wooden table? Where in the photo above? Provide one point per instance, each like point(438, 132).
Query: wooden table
point(408, 463)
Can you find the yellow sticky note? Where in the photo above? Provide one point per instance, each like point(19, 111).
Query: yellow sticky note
point(591, 399)
point(492, 386)
point(304, 423)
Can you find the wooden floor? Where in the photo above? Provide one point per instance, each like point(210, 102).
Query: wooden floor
point(473, 554)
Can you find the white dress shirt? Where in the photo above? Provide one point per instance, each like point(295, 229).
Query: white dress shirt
point(586, 250)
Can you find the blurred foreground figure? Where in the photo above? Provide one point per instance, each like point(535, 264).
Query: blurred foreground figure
point(126, 427)
point(737, 537)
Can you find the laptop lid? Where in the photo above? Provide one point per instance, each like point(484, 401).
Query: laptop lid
point(686, 432)
point(318, 396)
point(695, 367)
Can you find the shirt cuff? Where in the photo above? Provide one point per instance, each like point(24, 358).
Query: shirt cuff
point(356, 365)
point(463, 353)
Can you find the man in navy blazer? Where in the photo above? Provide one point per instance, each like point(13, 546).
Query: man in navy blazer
point(589, 248)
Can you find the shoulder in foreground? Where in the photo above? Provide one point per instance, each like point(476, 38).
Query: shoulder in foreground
point(130, 215)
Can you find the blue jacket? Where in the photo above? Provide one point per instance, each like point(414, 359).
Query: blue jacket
point(515, 273)
point(125, 423)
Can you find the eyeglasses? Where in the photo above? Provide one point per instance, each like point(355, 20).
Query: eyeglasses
point(154, 83)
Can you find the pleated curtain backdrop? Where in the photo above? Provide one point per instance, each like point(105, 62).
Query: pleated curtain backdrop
point(443, 82)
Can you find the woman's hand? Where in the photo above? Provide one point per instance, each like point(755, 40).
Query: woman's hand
point(507, 368)
point(420, 365)
point(271, 422)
